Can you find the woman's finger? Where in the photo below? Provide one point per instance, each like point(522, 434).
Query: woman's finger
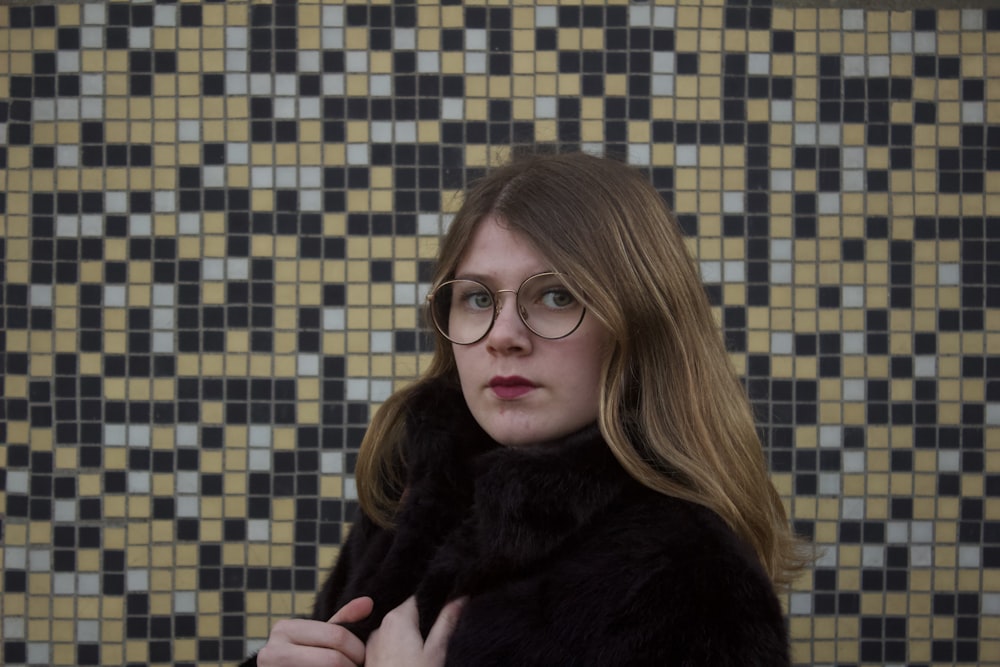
point(298, 643)
point(355, 610)
point(408, 611)
point(441, 631)
point(303, 656)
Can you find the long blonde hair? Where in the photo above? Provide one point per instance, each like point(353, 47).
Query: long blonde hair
point(672, 409)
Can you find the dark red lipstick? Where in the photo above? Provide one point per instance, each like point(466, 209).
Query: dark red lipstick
point(511, 387)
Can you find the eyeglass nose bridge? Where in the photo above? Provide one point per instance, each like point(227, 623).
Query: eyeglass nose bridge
point(498, 306)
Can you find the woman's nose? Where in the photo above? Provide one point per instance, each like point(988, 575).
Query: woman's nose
point(509, 333)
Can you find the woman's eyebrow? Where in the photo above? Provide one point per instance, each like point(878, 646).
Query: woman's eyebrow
point(478, 277)
point(490, 278)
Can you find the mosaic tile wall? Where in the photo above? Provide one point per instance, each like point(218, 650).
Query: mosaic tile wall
point(218, 219)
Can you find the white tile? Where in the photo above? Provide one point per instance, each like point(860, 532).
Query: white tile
point(829, 484)
point(165, 16)
point(759, 63)
point(800, 604)
point(140, 38)
point(972, 19)
point(428, 62)
point(545, 107)
point(39, 653)
point(664, 17)
point(546, 17)
point(261, 84)
point(475, 63)
point(664, 62)
point(286, 84)
point(185, 602)
point(380, 85)
point(310, 60)
point(404, 39)
point(734, 271)
point(949, 461)
point(476, 39)
point(237, 268)
point(852, 19)
point(258, 530)
point(137, 579)
point(186, 435)
point(39, 560)
point(879, 66)
point(781, 343)
point(852, 509)
point(925, 366)
point(66, 156)
point(872, 555)
point(781, 273)
point(308, 365)
point(188, 507)
point(139, 482)
point(88, 631)
point(357, 154)
point(852, 296)
point(732, 202)
point(13, 627)
point(381, 341)
point(781, 180)
point(639, 15)
point(94, 13)
point(969, 556)
point(781, 249)
point(40, 295)
point(237, 153)
point(115, 435)
point(17, 482)
point(685, 155)
point(782, 111)
point(925, 42)
point(285, 108)
point(114, 296)
point(332, 38)
point(828, 203)
point(831, 435)
point(332, 463)
point(334, 319)
point(639, 154)
point(333, 16)
point(356, 61)
point(853, 390)
point(853, 462)
point(901, 42)
point(711, 271)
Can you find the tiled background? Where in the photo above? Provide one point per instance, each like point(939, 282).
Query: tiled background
point(218, 218)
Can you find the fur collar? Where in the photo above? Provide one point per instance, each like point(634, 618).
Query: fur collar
point(528, 501)
point(497, 509)
point(524, 501)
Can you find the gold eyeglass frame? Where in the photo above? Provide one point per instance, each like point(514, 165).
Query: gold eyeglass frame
point(497, 307)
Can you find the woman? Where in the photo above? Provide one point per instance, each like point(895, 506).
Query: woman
point(579, 464)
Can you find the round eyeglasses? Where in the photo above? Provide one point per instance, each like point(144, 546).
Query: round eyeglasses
point(464, 310)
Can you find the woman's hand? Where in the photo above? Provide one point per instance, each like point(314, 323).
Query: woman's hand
point(301, 643)
point(397, 642)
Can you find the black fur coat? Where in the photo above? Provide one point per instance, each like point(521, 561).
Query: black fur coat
point(565, 559)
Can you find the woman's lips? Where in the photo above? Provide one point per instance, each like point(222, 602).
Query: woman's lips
point(511, 387)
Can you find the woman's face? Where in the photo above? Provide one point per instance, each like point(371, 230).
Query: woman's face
point(523, 389)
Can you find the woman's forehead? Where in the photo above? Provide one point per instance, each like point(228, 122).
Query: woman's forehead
point(495, 249)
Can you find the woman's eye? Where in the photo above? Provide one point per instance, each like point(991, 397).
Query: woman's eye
point(479, 300)
point(558, 298)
